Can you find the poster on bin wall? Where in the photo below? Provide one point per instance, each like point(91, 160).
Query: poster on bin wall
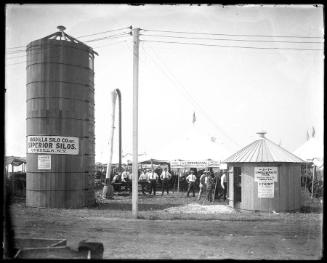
point(53, 144)
point(266, 189)
point(44, 162)
point(265, 173)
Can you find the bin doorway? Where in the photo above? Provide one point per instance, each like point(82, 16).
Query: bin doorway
point(237, 187)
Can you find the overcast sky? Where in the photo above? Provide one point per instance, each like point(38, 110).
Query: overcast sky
point(234, 92)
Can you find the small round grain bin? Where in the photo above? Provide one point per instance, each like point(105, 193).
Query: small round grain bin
point(264, 177)
point(60, 122)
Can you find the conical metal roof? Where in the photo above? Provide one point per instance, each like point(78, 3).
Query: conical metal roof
point(61, 35)
point(263, 150)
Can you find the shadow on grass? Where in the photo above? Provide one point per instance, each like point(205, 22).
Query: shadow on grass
point(141, 207)
point(311, 209)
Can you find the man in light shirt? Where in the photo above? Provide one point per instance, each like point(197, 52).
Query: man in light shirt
point(124, 176)
point(152, 177)
point(202, 183)
point(125, 180)
point(223, 183)
point(191, 182)
point(165, 177)
point(143, 181)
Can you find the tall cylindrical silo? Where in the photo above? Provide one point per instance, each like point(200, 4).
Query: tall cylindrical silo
point(60, 122)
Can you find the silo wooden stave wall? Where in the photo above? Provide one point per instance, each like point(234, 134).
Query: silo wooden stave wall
point(60, 103)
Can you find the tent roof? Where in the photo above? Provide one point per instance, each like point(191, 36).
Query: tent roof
point(155, 161)
point(311, 149)
point(194, 146)
point(263, 150)
point(14, 160)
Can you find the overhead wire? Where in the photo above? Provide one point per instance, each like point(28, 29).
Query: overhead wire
point(11, 55)
point(236, 40)
point(26, 61)
point(14, 50)
point(82, 36)
point(107, 37)
point(50, 57)
point(224, 34)
point(104, 32)
point(232, 46)
point(112, 43)
point(191, 99)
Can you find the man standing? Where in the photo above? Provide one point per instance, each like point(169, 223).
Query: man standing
point(191, 183)
point(210, 184)
point(202, 183)
point(165, 177)
point(223, 182)
point(143, 181)
point(153, 177)
point(125, 180)
point(124, 176)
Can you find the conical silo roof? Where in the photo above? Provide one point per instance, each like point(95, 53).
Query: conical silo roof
point(263, 150)
point(60, 35)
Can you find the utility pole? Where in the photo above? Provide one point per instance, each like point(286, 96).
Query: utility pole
point(135, 121)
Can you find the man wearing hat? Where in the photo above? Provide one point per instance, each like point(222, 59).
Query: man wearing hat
point(202, 183)
point(165, 177)
point(143, 180)
point(152, 177)
point(209, 184)
point(191, 182)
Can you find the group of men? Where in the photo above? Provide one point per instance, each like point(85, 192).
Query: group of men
point(149, 177)
point(208, 183)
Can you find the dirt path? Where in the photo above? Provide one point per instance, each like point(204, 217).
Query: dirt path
point(218, 236)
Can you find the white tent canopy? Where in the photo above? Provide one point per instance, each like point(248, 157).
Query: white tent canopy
point(311, 150)
point(194, 146)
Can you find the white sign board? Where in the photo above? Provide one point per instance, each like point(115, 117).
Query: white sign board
point(176, 164)
point(53, 144)
point(265, 173)
point(193, 164)
point(223, 166)
point(266, 189)
point(44, 162)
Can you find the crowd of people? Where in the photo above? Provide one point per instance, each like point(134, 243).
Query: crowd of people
point(212, 185)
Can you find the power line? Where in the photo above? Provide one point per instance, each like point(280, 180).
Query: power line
point(108, 31)
point(112, 43)
point(238, 40)
point(230, 46)
point(25, 61)
point(94, 40)
point(194, 102)
point(108, 37)
point(234, 35)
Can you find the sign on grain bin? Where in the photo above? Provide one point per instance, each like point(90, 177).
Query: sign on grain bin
point(53, 144)
point(265, 173)
point(44, 162)
point(266, 189)
point(266, 176)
